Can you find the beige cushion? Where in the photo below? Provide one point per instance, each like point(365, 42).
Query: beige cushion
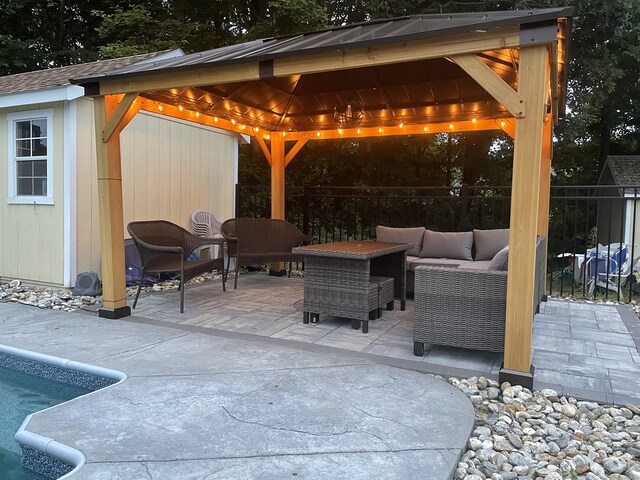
point(434, 262)
point(481, 265)
point(402, 235)
point(489, 242)
point(501, 260)
point(447, 245)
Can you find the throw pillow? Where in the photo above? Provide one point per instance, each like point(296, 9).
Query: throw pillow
point(402, 235)
point(447, 245)
point(501, 260)
point(489, 242)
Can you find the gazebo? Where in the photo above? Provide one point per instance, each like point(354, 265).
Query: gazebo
point(413, 75)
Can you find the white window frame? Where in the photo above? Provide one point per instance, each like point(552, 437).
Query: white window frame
point(13, 197)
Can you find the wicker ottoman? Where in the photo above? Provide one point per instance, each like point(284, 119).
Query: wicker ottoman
point(380, 295)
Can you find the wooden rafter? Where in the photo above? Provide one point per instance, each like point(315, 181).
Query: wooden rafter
point(508, 126)
point(285, 110)
point(492, 83)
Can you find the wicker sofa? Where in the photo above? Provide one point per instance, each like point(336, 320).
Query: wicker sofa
point(469, 250)
point(466, 307)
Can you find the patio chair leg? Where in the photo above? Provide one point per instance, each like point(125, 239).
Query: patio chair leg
point(365, 326)
point(235, 282)
point(355, 324)
point(403, 305)
point(391, 305)
point(373, 313)
point(135, 301)
point(418, 349)
point(315, 318)
point(224, 287)
point(181, 288)
point(305, 317)
point(290, 266)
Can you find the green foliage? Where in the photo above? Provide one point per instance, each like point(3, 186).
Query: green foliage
point(290, 16)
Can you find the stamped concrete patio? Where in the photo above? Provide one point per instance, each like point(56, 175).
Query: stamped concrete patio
point(580, 349)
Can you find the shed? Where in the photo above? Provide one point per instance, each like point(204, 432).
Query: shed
point(49, 208)
point(619, 215)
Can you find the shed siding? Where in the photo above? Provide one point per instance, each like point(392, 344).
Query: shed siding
point(169, 169)
point(32, 236)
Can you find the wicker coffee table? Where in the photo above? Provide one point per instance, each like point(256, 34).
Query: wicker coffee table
point(353, 279)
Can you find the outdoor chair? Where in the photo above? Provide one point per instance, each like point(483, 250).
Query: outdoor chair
point(260, 240)
point(165, 247)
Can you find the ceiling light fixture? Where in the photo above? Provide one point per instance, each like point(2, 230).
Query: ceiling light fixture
point(349, 114)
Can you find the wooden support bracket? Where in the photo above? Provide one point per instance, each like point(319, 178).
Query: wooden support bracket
point(119, 118)
point(264, 148)
point(492, 83)
point(294, 151)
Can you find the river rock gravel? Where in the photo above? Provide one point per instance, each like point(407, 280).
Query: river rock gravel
point(525, 435)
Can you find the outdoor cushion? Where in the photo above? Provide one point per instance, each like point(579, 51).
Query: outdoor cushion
point(447, 245)
point(481, 265)
point(489, 242)
point(402, 235)
point(434, 262)
point(501, 260)
point(410, 260)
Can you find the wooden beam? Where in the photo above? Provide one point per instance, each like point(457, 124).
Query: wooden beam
point(508, 126)
point(492, 39)
point(265, 149)
point(466, 126)
point(492, 83)
point(554, 81)
point(294, 151)
point(533, 81)
point(110, 213)
point(191, 116)
point(277, 177)
point(116, 119)
point(176, 79)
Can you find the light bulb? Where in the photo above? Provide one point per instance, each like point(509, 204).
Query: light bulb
point(197, 114)
point(180, 107)
point(215, 119)
point(267, 136)
point(401, 125)
point(160, 107)
point(451, 126)
point(317, 134)
point(257, 129)
point(340, 131)
point(503, 123)
point(380, 130)
point(474, 120)
point(233, 121)
point(426, 129)
point(358, 131)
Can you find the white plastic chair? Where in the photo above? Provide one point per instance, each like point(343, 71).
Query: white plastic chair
point(205, 224)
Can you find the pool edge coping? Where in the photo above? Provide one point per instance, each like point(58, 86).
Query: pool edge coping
point(46, 445)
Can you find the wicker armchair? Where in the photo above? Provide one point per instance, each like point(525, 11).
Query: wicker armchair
point(164, 247)
point(466, 308)
point(261, 240)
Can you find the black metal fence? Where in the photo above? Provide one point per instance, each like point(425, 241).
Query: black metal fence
point(580, 219)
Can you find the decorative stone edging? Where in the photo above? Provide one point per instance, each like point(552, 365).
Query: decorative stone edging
point(538, 435)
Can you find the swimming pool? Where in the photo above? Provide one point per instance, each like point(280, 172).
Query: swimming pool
point(20, 395)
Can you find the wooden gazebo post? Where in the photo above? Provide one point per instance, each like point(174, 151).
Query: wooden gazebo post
point(527, 158)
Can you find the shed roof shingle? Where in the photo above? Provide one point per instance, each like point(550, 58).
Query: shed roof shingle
point(59, 76)
point(625, 169)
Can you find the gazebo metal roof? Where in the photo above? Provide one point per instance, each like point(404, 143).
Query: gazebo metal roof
point(419, 92)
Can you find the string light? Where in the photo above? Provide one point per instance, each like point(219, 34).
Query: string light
point(401, 125)
point(233, 121)
point(503, 123)
point(380, 130)
point(358, 131)
point(284, 134)
point(267, 136)
point(160, 107)
point(242, 127)
point(451, 126)
point(257, 129)
point(426, 129)
point(317, 134)
point(180, 107)
point(340, 131)
point(197, 114)
point(215, 119)
point(474, 120)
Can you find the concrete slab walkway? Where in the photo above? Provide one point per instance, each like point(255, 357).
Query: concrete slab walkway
point(589, 351)
point(220, 406)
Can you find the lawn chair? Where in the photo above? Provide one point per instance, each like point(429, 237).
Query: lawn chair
point(206, 225)
point(608, 266)
point(164, 247)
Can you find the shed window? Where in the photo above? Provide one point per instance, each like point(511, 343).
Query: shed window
point(30, 157)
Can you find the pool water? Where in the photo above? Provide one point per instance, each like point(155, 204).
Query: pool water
point(20, 395)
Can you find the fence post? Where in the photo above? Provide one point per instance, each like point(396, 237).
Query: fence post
point(463, 224)
point(305, 210)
